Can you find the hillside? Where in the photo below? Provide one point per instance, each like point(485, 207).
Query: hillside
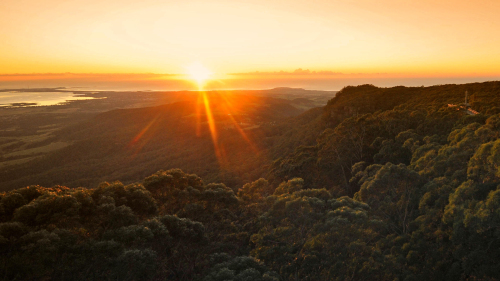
point(372, 125)
point(129, 144)
point(407, 189)
point(257, 136)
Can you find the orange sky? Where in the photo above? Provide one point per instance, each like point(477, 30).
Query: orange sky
point(395, 37)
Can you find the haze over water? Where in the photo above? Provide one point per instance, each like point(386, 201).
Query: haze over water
point(310, 83)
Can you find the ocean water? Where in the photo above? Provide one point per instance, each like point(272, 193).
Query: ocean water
point(14, 98)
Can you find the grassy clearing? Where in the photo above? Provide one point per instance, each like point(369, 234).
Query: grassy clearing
point(43, 135)
point(37, 150)
point(16, 161)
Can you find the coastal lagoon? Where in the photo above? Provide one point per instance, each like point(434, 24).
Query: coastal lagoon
point(22, 99)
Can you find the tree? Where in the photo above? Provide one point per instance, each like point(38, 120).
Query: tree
point(309, 235)
point(393, 193)
point(238, 269)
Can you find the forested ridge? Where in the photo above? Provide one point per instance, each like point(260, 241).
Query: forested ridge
point(380, 184)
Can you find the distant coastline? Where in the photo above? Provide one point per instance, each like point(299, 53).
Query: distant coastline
point(311, 82)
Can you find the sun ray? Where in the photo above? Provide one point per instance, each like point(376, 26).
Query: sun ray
point(142, 132)
point(230, 115)
point(135, 144)
point(224, 110)
point(212, 127)
point(199, 103)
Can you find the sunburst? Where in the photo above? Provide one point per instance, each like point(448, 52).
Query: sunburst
point(199, 73)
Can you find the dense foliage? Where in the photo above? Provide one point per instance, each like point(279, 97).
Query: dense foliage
point(395, 186)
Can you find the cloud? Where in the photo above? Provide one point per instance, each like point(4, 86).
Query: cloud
point(86, 76)
point(298, 71)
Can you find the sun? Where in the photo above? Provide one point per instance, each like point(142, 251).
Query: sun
point(199, 73)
